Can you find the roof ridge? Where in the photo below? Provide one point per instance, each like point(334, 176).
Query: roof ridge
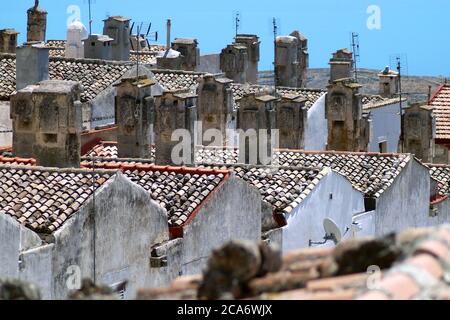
point(82, 170)
point(150, 166)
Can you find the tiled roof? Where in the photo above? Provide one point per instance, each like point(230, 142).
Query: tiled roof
point(58, 49)
point(42, 199)
point(94, 75)
point(283, 188)
point(177, 80)
point(179, 190)
point(311, 95)
point(408, 266)
point(7, 75)
point(441, 173)
point(60, 44)
point(5, 160)
point(441, 110)
point(382, 103)
point(369, 172)
point(145, 57)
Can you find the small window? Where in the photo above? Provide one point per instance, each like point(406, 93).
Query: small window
point(50, 138)
point(382, 146)
point(93, 44)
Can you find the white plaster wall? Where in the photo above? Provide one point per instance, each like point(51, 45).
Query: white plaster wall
point(405, 204)
point(385, 126)
point(128, 224)
point(316, 133)
point(442, 214)
point(364, 225)
point(5, 124)
point(37, 268)
point(306, 221)
point(13, 239)
point(223, 218)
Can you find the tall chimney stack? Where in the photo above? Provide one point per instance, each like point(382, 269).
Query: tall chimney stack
point(8, 40)
point(169, 26)
point(37, 23)
point(32, 60)
point(175, 111)
point(134, 108)
point(47, 123)
point(341, 65)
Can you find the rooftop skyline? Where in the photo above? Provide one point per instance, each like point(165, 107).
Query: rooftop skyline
point(326, 23)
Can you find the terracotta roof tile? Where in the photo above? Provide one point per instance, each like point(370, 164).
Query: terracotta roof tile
point(283, 188)
point(180, 191)
point(42, 199)
point(440, 102)
point(442, 174)
point(370, 173)
point(177, 80)
point(94, 75)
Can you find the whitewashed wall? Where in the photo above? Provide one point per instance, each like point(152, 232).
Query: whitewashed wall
point(385, 126)
point(5, 124)
point(306, 221)
point(316, 133)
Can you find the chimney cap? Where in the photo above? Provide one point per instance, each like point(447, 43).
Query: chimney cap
point(117, 18)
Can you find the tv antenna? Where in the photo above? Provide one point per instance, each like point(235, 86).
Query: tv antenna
point(399, 62)
point(332, 233)
point(237, 22)
point(90, 2)
point(275, 34)
point(147, 36)
point(356, 53)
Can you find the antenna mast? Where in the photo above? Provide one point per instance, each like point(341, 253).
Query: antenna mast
point(356, 54)
point(237, 23)
point(399, 70)
point(275, 33)
point(90, 17)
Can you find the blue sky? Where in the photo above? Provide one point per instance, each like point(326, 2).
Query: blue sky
point(417, 29)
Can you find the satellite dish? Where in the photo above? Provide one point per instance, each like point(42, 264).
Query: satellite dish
point(332, 231)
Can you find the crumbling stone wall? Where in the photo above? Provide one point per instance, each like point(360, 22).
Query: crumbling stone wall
point(215, 104)
point(347, 129)
point(37, 23)
point(47, 123)
point(173, 111)
point(134, 117)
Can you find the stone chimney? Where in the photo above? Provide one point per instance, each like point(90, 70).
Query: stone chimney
point(32, 60)
point(341, 65)
point(190, 53)
point(234, 62)
point(252, 43)
point(303, 59)
point(37, 23)
point(175, 111)
point(389, 83)
point(215, 103)
point(286, 59)
point(98, 47)
point(134, 117)
point(118, 28)
point(8, 40)
point(47, 123)
point(343, 111)
point(291, 115)
point(76, 33)
point(256, 120)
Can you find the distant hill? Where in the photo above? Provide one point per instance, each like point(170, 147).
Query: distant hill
point(416, 87)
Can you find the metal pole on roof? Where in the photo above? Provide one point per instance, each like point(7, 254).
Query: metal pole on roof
point(275, 75)
point(399, 69)
point(90, 18)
